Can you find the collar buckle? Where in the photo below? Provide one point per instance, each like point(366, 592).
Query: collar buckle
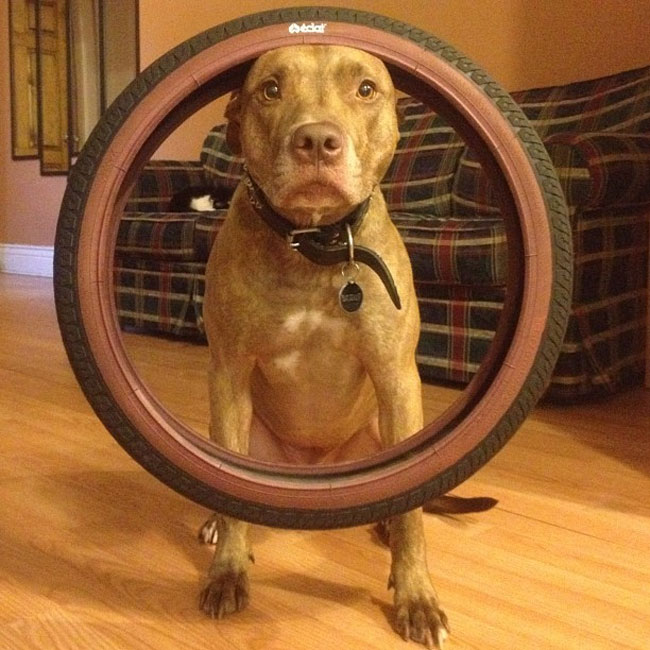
point(292, 234)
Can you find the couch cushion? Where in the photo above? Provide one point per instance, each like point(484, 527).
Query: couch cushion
point(454, 252)
point(168, 236)
point(159, 180)
point(472, 193)
point(206, 228)
point(163, 236)
point(221, 166)
point(420, 176)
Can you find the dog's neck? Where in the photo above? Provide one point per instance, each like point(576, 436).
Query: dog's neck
point(325, 235)
point(324, 245)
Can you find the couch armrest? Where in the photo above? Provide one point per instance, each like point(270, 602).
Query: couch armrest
point(599, 170)
point(159, 180)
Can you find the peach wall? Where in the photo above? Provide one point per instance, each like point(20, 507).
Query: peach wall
point(521, 43)
point(29, 202)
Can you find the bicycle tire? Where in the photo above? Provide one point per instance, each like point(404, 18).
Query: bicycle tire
point(447, 451)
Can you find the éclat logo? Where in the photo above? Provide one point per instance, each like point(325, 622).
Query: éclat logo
point(307, 28)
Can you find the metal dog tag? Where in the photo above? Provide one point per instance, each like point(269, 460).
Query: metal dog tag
point(350, 296)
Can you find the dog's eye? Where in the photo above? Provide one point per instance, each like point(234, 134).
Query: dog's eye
point(271, 90)
point(367, 89)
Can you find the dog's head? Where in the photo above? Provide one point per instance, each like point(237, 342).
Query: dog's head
point(317, 127)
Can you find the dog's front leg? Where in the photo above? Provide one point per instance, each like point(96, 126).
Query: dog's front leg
point(418, 615)
point(230, 420)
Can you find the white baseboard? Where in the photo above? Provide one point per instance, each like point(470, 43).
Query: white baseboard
point(27, 260)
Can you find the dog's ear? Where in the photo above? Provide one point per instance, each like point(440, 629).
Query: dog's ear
point(233, 127)
point(400, 109)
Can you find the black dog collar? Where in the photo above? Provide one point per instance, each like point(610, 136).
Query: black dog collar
point(324, 245)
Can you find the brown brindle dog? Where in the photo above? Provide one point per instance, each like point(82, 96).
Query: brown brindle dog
point(300, 372)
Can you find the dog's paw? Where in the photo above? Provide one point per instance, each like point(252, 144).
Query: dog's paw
point(423, 621)
point(208, 533)
point(418, 616)
point(225, 594)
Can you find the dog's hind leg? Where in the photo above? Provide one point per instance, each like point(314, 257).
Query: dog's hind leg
point(209, 532)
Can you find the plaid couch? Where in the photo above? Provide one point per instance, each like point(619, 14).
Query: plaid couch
point(598, 135)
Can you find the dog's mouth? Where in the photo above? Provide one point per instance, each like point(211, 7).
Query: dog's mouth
point(319, 193)
point(313, 199)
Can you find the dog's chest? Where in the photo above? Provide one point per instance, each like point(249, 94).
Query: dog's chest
point(303, 323)
point(304, 342)
point(305, 331)
point(312, 374)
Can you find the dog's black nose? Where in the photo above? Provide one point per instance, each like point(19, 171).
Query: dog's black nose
point(317, 141)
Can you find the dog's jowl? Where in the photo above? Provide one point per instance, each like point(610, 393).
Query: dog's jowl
point(310, 309)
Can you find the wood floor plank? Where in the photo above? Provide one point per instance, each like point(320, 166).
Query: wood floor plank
point(96, 553)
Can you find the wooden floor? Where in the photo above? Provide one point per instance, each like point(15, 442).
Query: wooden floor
point(94, 553)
